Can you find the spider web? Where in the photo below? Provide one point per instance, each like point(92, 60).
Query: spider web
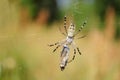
point(75, 14)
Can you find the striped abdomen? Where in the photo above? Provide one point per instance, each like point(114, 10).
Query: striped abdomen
point(64, 57)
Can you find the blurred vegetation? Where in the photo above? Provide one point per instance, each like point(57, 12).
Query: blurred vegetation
point(24, 54)
point(34, 8)
point(102, 6)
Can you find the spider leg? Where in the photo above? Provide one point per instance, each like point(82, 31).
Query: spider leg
point(82, 37)
point(50, 45)
point(78, 50)
point(74, 46)
point(64, 27)
point(73, 56)
point(56, 48)
point(58, 44)
point(62, 32)
point(81, 28)
point(65, 19)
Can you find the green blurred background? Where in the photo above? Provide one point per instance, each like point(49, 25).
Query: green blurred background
point(28, 26)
